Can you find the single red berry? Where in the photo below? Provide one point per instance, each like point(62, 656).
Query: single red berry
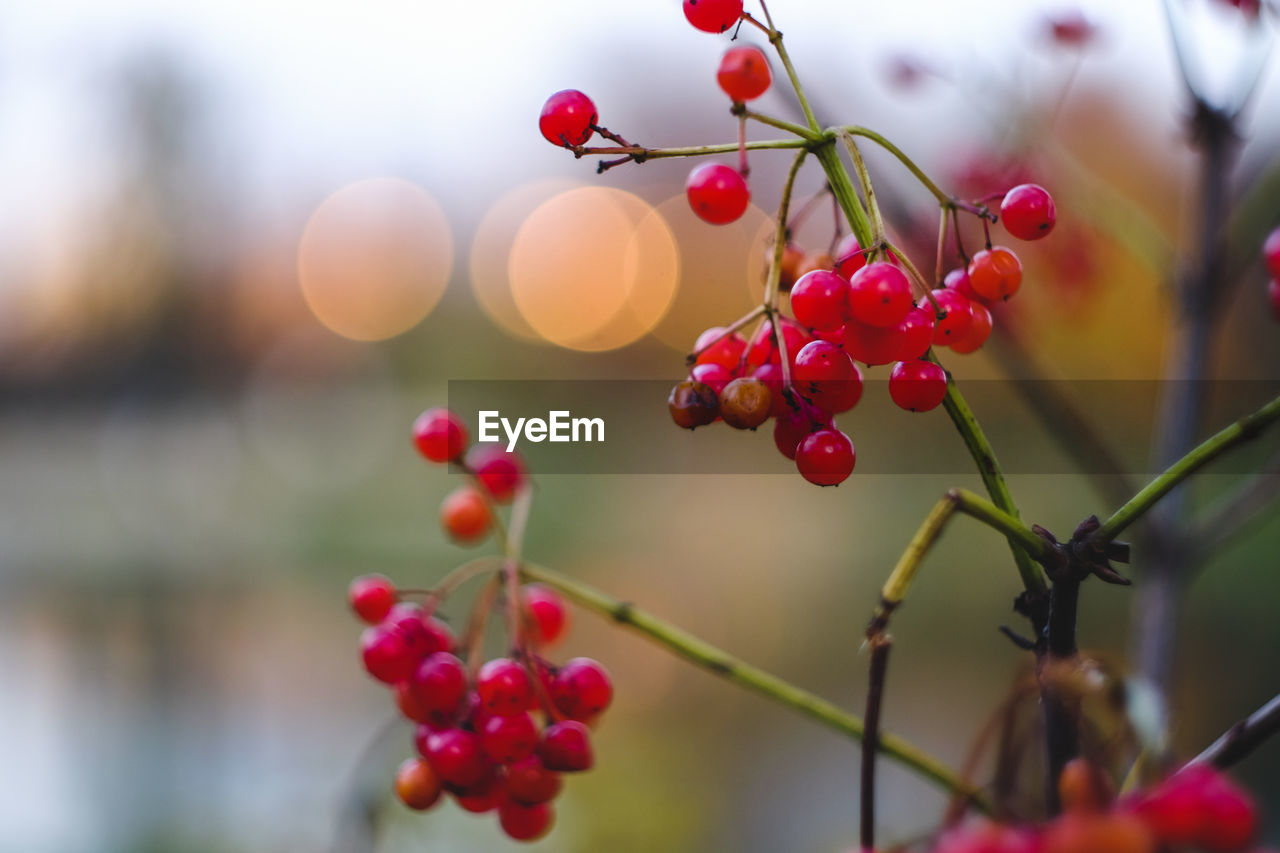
point(504, 687)
point(465, 515)
point(440, 435)
point(917, 386)
point(417, 785)
point(525, 823)
point(713, 376)
point(794, 425)
point(1173, 812)
point(771, 376)
point(387, 655)
point(456, 756)
point(1271, 253)
point(871, 345)
point(879, 295)
point(566, 747)
point(528, 782)
point(726, 350)
point(1273, 295)
point(581, 689)
point(371, 597)
point(977, 333)
point(484, 796)
point(825, 457)
point(1070, 28)
point(717, 193)
point(500, 471)
point(713, 16)
point(820, 300)
point(849, 257)
point(693, 404)
point(955, 316)
point(763, 348)
point(842, 396)
point(439, 683)
point(412, 708)
point(1230, 819)
point(509, 739)
point(995, 273)
point(744, 73)
point(1028, 212)
point(820, 370)
point(915, 332)
point(567, 118)
point(425, 635)
point(546, 612)
point(745, 403)
point(958, 280)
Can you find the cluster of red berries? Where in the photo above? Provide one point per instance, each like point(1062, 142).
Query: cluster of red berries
point(1197, 808)
point(854, 312)
point(467, 514)
point(1271, 257)
point(496, 739)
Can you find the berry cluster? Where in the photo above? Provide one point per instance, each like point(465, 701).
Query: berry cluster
point(497, 735)
point(851, 310)
point(1197, 808)
point(1271, 257)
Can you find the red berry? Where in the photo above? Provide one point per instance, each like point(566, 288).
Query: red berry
point(842, 396)
point(501, 472)
point(507, 740)
point(820, 299)
point(525, 823)
point(581, 689)
point(771, 376)
point(879, 295)
point(995, 273)
point(412, 708)
point(546, 613)
point(440, 435)
point(1230, 818)
point(824, 373)
point(825, 457)
point(717, 193)
point(794, 425)
point(424, 635)
point(528, 782)
point(567, 118)
point(713, 376)
point(439, 683)
point(872, 345)
point(744, 73)
point(1070, 28)
point(917, 386)
point(987, 837)
point(566, 747)
point(387, 655)
point(693, 404)
point(977, 333)
point(1271, 253)
point(483, 796)
point(417, 785)
point(504, 687)
point(849, 257)
point(958, 280)
point(1273, 295)
point(1028, 212)
point(465, 515)
point(456, 756)
point(713, 16)
point(726, 351)
point(763, 348)
point(955, 316)
point(371, 597)
point(915, 333)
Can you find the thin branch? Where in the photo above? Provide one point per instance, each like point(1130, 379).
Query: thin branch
point(779, 123)
point(880, 645)
point(1244, 737)
point(897, 152)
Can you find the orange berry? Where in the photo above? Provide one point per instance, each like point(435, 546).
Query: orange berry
point(995, 273)
point(465, 515)
point(417, 785)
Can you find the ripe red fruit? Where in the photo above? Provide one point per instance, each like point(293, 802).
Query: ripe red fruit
point(977, 333)
point(958, 280)
point(763, 348)
point(484, 796)
point(995, 273)
point(528, 782)
point(986, 836)
point(1273, 295)
point(499, 471)
point(871, 345)
point(1028, 212)
point(567, 118)
point(849, 257)
point(439, 683)
point(509, 739)
point(823, 372)
point(417, 785)
point(387, 655)
point(465, 515)
point(955, 317)
point(546, 612)
point(439, 435)
point(879, 295)
point(726, 351)
point(456, 756)
point(713, 376)
point(793, 425)
point(371, 597)
point(566, 747)
point(744, 73)
point(693, 404)
point(745, 403)
point(825, 457)
point(504, 687)
point(1230, 818)
point(424, 635)
point(820, 300)
point(526, 823)
point(1271, 253)
point(581, 689)
point(717, 193)
point(713, 16)
point(915, 333)
point(917, 386)
point(842, 396)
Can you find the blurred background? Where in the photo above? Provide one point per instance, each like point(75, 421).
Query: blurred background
point(245, 243)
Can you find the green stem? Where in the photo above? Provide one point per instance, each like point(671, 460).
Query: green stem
point(782, 124)
point(641, 153)
point(775, 38)
point(884, 143)
point(720, 663)
point(868, 192)
point(780, 236)
point(1242, 430)
point(846, 195)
